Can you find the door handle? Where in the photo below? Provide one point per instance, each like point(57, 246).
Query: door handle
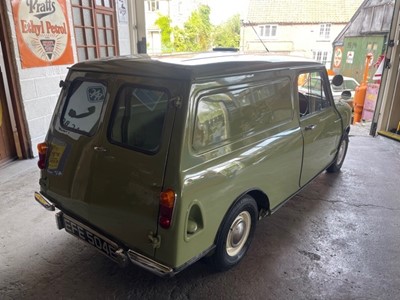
point(310, 127)
point(99, 149)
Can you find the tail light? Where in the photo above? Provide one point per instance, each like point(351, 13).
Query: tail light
point(42, 151)
point(167, 202)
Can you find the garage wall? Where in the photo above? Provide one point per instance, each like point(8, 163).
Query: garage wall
point(39, 88)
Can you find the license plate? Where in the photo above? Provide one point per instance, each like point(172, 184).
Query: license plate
point(91, 237)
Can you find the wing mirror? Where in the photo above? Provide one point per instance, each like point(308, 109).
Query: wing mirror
point(337, 80)
point(346, 95)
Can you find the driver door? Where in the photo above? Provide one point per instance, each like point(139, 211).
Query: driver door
point(320, 124)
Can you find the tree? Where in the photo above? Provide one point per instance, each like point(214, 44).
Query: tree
point(164, 23)
point(228, 33)
point(196, 34)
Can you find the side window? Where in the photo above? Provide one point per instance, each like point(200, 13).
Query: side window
point(138, 118)
point(312, 96)
point(82, 109)
point(350, 85)
point(211, 126)
point(241, 113)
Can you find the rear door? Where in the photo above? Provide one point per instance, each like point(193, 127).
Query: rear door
point(130, 160)
point(108, 149)
point(320, 124)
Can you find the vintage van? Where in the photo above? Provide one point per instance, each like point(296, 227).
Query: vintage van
point(162, 161)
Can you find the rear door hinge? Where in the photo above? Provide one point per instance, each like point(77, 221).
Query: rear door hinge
point(177, 102)
point(155, 240)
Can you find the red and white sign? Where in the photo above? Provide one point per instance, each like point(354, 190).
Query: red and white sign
point(43, 33)
point(350, 57)
point(371, 61)
point(380, 63)
point(337, 58)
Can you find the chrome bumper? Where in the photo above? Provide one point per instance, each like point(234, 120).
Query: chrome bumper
point(44, 202)
point(149, 264)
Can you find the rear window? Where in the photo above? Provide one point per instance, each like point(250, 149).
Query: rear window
point(83, 106)
point(138, 118)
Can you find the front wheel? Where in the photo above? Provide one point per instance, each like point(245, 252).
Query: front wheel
point(338, 162)
point(236, 234)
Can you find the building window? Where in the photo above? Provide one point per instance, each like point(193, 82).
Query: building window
point(325, 31)
point(153, 5)
point(95, 28)
point(268, 31)
point(321, 56)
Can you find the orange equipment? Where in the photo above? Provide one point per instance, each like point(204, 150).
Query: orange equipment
point(361, 91)
point(331, 72)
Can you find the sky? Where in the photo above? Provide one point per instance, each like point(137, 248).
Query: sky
point(221, 10)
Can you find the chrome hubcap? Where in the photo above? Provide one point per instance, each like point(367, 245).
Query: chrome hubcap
point(238, 233)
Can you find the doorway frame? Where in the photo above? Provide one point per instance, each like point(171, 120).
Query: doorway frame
point(12, 88)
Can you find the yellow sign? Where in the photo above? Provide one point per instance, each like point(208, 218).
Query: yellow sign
point(43, 34)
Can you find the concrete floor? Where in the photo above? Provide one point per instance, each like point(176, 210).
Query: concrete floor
point(338, 239)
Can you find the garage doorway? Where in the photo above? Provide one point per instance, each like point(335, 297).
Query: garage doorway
point(8, 151)
point(14, 136)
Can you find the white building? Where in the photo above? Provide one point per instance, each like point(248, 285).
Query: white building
point(294, 27)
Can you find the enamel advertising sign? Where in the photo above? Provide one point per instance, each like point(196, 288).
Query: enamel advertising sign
point(43, 33)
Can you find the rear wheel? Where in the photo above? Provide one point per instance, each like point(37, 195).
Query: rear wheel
point(236, 234)
point(337, 164)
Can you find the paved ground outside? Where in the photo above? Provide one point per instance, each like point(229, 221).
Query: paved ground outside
point(338, 239)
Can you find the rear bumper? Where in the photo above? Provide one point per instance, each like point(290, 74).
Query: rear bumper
point(42, 200)
point(123, 254)
point(149, 264)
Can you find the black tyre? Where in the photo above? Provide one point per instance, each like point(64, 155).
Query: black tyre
point(236, 234)
point(338, 162)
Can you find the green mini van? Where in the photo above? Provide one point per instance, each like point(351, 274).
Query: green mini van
point(162, 161)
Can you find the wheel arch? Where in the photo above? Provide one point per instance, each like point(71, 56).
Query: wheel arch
point(232, 240)
point(261, 198)
point(262, 201)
